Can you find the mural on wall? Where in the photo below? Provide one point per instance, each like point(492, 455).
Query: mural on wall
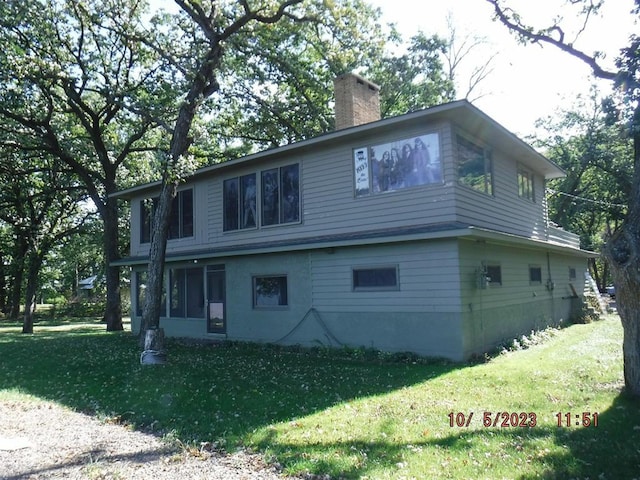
point(397, 165)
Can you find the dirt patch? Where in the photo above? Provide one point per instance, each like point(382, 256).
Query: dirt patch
point(41, 440)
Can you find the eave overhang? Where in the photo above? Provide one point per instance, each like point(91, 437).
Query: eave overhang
point(373, 237)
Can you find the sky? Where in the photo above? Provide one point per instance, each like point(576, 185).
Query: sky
point(528, 82)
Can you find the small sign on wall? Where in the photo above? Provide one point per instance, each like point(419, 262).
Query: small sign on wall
point(361, 164)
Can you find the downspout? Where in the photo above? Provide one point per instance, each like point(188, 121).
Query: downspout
point(550, 287)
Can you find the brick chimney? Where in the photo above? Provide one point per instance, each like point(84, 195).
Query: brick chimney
point(357, 101)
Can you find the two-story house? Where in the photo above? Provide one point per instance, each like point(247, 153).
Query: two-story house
point(425, 232)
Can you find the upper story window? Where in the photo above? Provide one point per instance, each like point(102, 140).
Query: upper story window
point(525, 184)
point(239, 199)
point(281, 195)
point(396, 165)
point(474, 166)
point(147, 211)
point(180, 218)
point(278, 198)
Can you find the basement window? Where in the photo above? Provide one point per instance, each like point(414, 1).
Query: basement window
point(535, 274)
point(375, 278)
point(494, 274)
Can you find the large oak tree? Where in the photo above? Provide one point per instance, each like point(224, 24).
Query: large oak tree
point(70, 88)
point(207, 28)
point(623, 248)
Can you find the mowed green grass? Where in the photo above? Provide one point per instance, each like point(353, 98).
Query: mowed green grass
point(352, 414)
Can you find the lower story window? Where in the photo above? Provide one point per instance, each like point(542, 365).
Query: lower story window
point(270, 291)
point(535, 274)
point(494, 274)
point(186, 292)
point(375, 278)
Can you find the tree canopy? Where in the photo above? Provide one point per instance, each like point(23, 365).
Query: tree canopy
point(99, 89)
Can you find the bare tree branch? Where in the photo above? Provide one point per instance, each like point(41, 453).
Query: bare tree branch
point(512, 21)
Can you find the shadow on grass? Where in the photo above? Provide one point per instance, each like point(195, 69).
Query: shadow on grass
point(227, 394)
point(610, 450)
point(214, 393)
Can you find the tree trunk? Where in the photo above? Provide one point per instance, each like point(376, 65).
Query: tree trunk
point(30, 293)
point(157, 250)
point(3, 286)
point(623, 253)
point(628, 303)
point(17, 274)
point(113, 309)
point(204, 85)
point(154, 351)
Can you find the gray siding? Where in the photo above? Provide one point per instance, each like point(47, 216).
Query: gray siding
point(244, 322)
point(498, 313)
point(438, 309)
point(427, 275)
point(329, 206)
point(328, 202)
point(201, 221)
point(423, 316)
point(505, 210)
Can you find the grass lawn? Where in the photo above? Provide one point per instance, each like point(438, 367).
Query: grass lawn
point(350, 414)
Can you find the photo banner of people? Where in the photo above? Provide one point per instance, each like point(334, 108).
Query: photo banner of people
point(397, 165)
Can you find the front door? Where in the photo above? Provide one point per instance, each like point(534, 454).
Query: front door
point(216, 322)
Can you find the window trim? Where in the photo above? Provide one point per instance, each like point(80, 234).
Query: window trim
point(462, 141)
point(147, 216)
point(254, 292)
point(490, 282)
point(573, 274)
point(381, 288)
point(526, 184)
point(259, 177)
point(533, 281)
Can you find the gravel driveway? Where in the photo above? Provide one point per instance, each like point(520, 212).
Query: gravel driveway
point(40, 440)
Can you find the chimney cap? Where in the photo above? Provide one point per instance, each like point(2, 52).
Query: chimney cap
point(359, 79)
